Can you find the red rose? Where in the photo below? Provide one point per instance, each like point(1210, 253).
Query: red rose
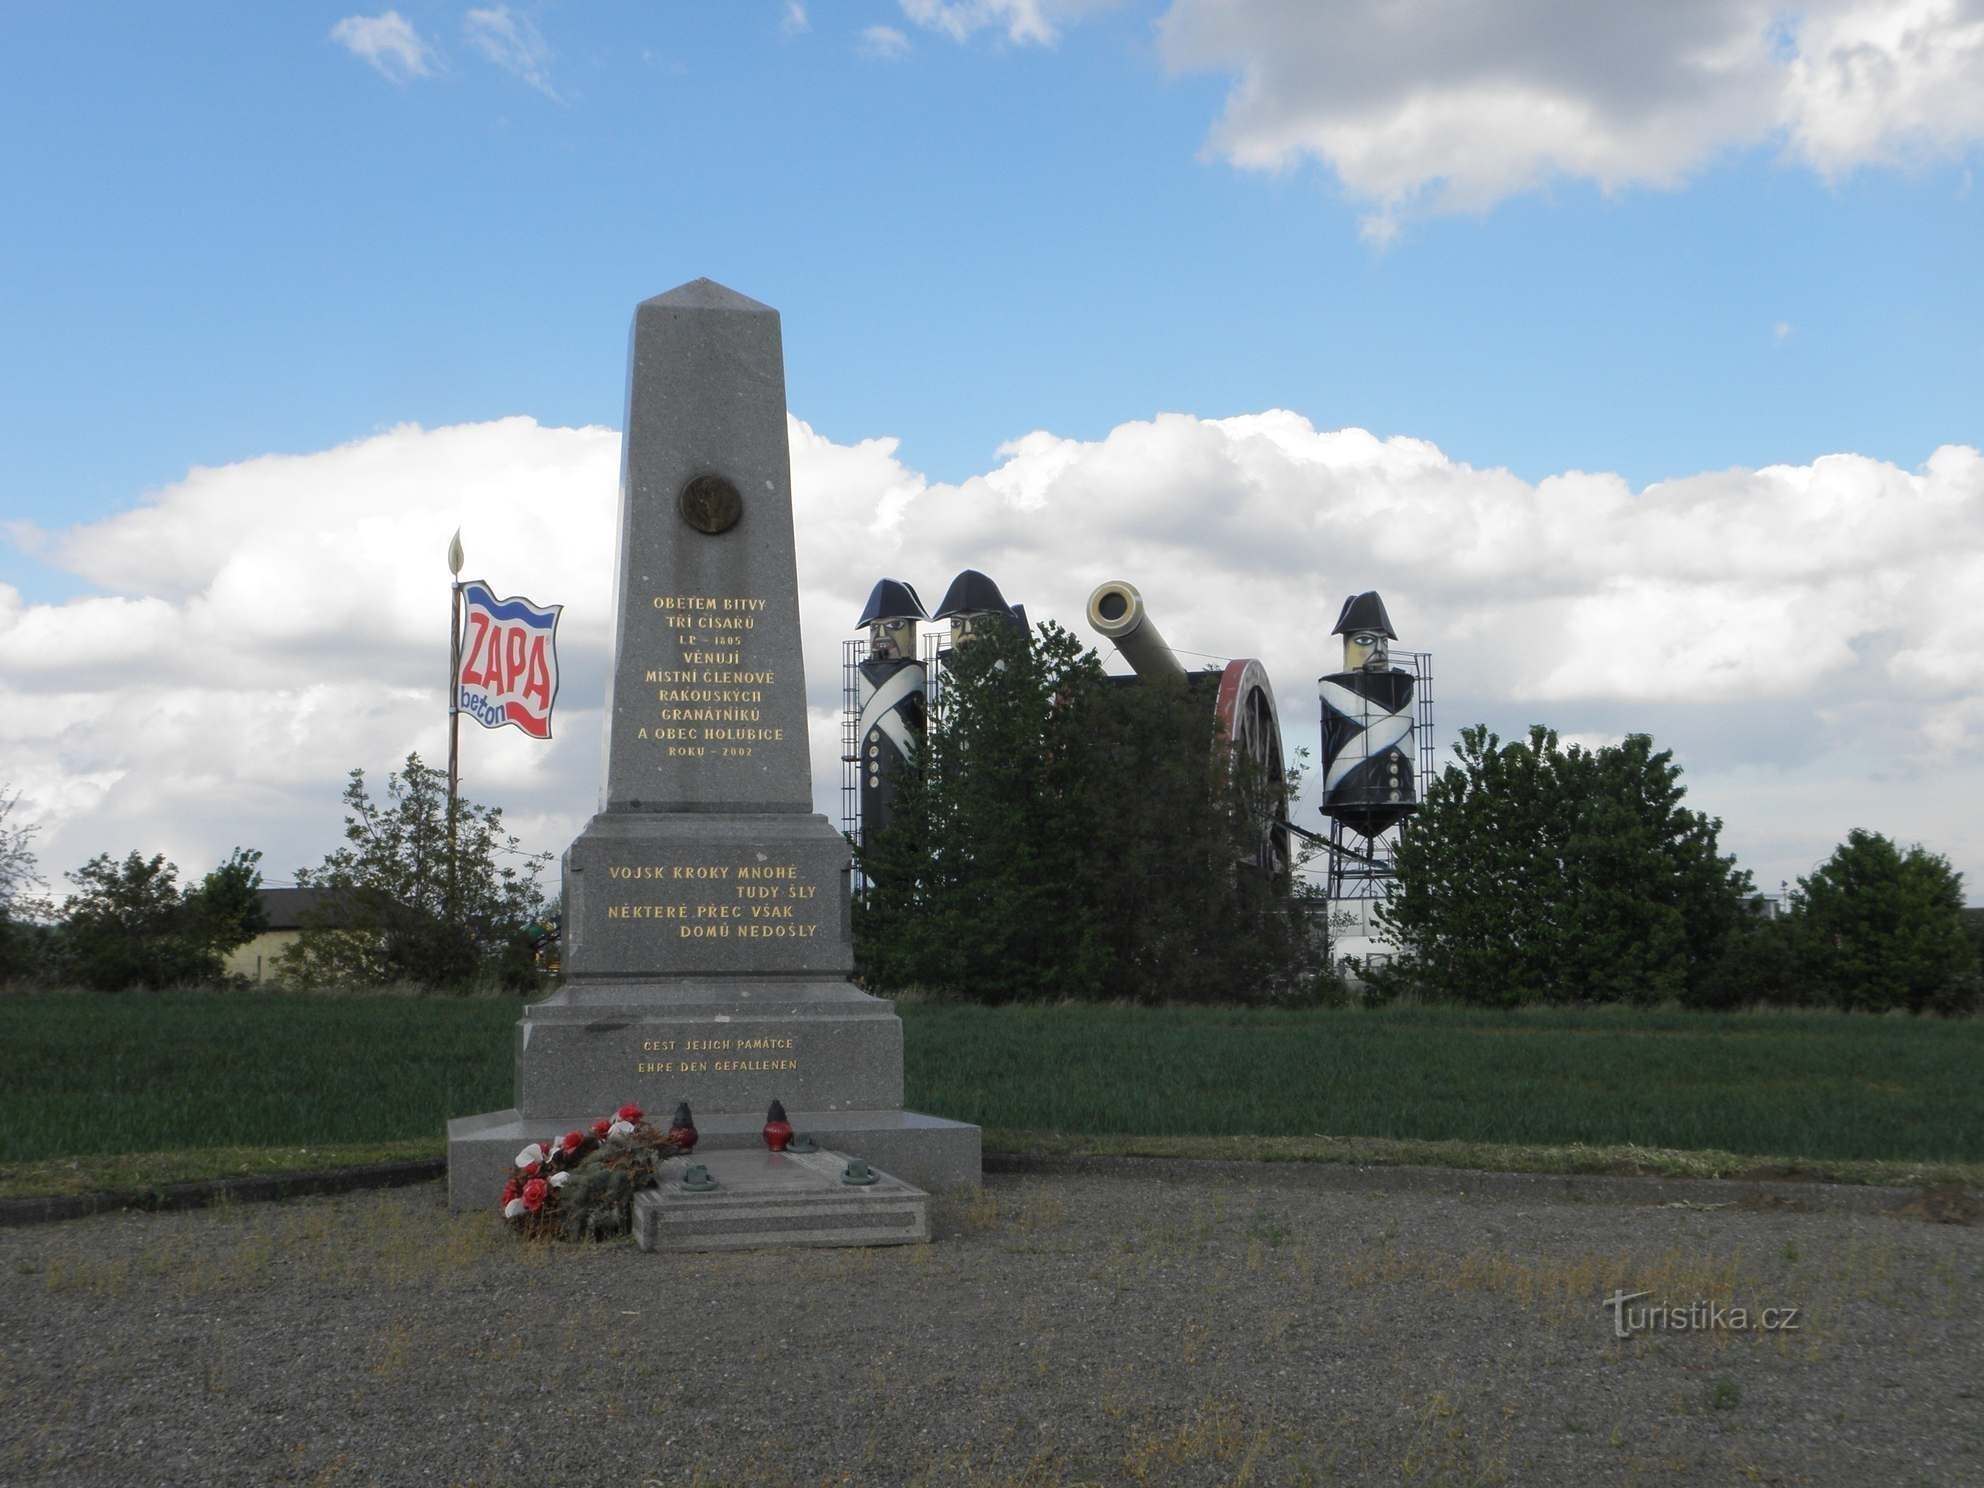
point(534, 1192)
point(571, 1142)
point(510, 1191)
point(601, 1127)
point(530, 1169)
point(629, 1112)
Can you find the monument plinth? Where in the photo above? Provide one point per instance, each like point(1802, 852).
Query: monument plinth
point(706, 940)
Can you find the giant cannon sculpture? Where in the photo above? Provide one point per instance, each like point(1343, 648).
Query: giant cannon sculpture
point(1241, 697)
point(890, 691)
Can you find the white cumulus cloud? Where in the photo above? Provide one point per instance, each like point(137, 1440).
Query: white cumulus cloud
point(1887, 83)
point(1458, 105)
point(1805, 637)
point(388, 42)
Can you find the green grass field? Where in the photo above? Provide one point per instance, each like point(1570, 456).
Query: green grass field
point(1817, 1085)
point(92, 1075)
point(139, 1072)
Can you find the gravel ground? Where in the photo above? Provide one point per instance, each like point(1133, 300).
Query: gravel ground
point(1228, 1327)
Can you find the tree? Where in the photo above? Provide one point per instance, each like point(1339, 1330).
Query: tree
point(225, 910)
point(1060, 835)
point(402, 908)
point(19, 878)
point(17, 864)
point(1884, 928)
point(1536, 873)
point(1762, 961)
point(129, 924)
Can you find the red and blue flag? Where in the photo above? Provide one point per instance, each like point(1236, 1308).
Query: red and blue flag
point(509, 671)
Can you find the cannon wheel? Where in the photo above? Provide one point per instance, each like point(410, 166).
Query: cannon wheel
point(1250, 720)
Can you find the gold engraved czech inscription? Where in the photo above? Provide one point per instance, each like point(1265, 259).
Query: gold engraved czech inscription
point(719, 901)
point(718, 1056)
point(710, 697)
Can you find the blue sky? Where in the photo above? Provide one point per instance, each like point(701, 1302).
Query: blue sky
point(1535, 237)
point(236, 237)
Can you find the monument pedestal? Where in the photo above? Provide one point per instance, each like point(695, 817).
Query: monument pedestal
point(928, 1151)
point(777, 1198)
point(706, 928)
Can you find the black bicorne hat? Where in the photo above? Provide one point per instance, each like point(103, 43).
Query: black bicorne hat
point(971, 593)
point(891, 599)
point(1364, 612)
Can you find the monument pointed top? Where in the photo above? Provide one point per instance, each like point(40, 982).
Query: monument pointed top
point(706, 294)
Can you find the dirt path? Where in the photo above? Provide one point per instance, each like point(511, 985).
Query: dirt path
point(1066, 1329)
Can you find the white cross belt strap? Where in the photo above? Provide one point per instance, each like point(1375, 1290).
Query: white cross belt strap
point(879, 709)
point(1382, 729)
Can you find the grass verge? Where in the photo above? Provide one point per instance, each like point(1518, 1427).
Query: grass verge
point(1499, 1157)
point(142, 1172)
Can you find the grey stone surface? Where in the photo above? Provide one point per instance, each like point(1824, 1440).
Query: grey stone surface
point(721, 1058)
point(707, 941)
point(707, 623)
point(775, 1198)
point(928, 1151)
point(687, 895)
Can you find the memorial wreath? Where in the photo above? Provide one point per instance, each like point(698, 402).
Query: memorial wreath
point(581, 1186)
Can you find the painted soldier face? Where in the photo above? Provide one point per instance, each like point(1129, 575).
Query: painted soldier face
point(892, 640)
point(1366, 649)
point(964, 626)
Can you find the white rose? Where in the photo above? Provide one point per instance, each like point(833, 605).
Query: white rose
point(515, 1209)
point(559, 1180)
point(530, 1154)
point(620, 1128)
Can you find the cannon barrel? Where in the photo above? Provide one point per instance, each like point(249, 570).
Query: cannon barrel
point(1116, 613)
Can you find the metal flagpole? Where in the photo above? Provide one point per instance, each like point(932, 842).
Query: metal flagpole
point(454, 704)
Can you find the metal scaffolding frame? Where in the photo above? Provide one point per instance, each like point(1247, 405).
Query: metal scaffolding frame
point(852, 654)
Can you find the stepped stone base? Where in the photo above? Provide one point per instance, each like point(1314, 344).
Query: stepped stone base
point(721, 1044)
point(775, 1198)
point(928, 1151)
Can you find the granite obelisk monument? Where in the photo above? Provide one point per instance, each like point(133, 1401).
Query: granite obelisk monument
point(706, 924)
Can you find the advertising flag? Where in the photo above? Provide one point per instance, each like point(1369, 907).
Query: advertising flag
point(509, 668)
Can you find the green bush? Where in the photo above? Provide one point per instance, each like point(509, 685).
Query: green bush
point(1882, 929)
point(1535, 873)
point(129, 924)
point(1062, 836)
